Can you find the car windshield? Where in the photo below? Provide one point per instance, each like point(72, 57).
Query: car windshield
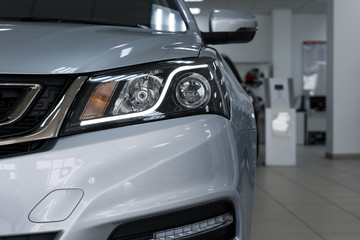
point(160, 15)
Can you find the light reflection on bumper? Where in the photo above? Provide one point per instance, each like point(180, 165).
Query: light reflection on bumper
point(125, 173)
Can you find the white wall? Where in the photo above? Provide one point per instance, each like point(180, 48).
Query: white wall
point(344, 78)
point(259, 50)
point(282, 43)
point(306, 27)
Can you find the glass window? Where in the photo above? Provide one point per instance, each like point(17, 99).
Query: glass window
point(161, 15)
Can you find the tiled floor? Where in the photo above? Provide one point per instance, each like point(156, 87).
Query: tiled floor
point(319, 199)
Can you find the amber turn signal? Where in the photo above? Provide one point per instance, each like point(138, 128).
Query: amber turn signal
point(99, 100)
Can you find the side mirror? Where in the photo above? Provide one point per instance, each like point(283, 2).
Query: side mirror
point(227, 26)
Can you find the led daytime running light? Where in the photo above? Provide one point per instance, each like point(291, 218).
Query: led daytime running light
point(150, 111)
point(195, 228)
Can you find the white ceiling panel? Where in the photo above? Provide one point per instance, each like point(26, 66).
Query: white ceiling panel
point(263, 6)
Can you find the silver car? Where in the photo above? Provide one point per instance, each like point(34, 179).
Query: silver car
point(118, 122)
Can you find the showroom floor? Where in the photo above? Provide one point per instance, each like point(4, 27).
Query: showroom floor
point(316, 200)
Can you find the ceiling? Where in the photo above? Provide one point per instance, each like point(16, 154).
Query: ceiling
point(262, 6)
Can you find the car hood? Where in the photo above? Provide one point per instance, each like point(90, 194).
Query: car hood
point(60, 48)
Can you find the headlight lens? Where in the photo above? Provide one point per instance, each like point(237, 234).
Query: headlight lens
point(157, 91)
point(138, 95)
point(193, 91)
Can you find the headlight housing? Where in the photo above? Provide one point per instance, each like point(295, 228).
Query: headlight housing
point(148, 92)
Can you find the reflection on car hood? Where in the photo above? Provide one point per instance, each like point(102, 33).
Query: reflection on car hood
point(55, 48)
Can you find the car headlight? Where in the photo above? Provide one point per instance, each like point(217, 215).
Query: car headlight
point(148, 92)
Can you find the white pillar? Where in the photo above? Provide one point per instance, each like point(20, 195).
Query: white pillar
point(282, 43)
point(343, 93)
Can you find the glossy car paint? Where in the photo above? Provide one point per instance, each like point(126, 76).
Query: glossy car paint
point(53, 48)
point(35, 48)
point(130, 172)
point(125, 176)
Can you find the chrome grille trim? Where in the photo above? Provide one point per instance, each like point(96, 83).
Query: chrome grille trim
point(50, 127)
point(26, 102)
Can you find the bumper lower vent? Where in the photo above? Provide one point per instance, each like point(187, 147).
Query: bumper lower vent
point(207, 222)
point(22, 148)
point(195, 229)
point(45, 236)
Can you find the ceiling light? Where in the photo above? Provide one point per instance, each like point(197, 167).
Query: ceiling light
point(194, 0)
point(195, 11)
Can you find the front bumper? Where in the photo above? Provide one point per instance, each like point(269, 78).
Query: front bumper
point(129, 173)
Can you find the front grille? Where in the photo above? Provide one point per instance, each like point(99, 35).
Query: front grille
point(45, 236)
point(149, 228)
point(10, 97)
point(52, 89)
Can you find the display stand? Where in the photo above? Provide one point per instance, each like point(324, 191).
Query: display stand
point(280, 148)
